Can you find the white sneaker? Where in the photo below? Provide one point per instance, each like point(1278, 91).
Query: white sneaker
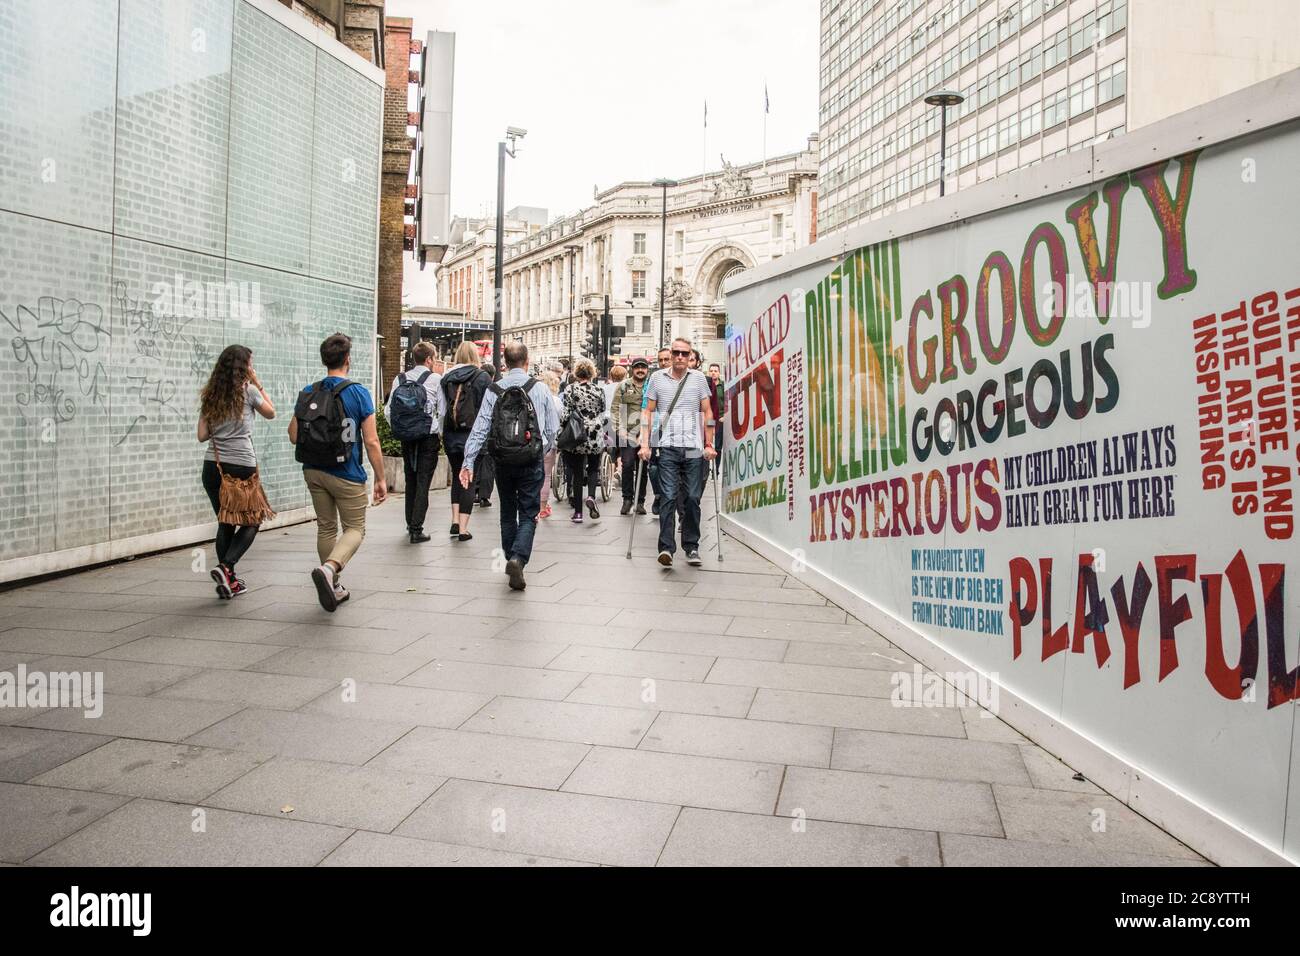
point(666, 559)
point(323, 578)
point(341, 593)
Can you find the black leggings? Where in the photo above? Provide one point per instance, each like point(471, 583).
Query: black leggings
point(461, 497)
point(233, 541)
point(577, 468)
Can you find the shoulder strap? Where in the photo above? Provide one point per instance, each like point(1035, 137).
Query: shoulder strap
point(529, 384)
point(424, 378)
point(678, 394)
point(496, 390)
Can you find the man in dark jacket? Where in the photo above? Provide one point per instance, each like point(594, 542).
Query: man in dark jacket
point(626, 414)
point(718, 400)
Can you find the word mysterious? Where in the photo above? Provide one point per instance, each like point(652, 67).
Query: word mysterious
point(1031, 597)
point(103, 909)
point(38, 689)
point(930, 500)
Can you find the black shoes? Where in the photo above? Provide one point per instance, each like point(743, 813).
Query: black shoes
point(464, 537)
point(515, 571)
point(627, 507)
point(455, 530)
point(418, 537)
point(640, 509)
point(591, 507)
point(485, 502)
point(693, 558)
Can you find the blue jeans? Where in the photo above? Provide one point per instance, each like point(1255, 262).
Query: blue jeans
point(680, 469)
point(520, 490)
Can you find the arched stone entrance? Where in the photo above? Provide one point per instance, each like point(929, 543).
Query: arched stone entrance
point(718, 265)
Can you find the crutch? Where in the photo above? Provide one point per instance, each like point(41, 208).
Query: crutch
point(642, 469)
point(717, 509)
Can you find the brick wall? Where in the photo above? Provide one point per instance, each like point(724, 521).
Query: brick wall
point(396, 169)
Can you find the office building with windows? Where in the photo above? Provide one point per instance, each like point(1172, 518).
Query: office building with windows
point(1039, 77)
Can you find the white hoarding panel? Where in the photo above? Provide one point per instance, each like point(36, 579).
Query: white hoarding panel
point(1060, 442)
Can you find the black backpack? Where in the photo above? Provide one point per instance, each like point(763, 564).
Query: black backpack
point(462, 406)
point(514, 437)
point(325, 435)
point(411, 420)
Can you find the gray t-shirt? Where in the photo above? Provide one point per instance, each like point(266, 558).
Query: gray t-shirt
point(234, 438)
point(682, 429)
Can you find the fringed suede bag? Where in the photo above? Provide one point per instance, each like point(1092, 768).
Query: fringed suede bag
point(243, 502)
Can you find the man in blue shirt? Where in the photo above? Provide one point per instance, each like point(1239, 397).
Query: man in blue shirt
point(338, 492)
point(519, 486)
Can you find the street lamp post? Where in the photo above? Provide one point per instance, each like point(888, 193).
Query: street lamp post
point(513, 133)
point(572, 249)
point(663, 253)
point(944, 99)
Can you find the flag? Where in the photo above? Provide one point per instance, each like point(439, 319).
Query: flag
point(767, 103)
point(706, 114)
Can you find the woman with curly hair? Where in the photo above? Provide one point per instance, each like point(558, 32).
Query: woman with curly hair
point(229, 399)
point(585, 399)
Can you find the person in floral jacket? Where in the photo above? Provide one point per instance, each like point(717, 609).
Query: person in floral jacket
point(587, 400)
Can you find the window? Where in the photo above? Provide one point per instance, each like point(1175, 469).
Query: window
point(1056, 49)
point(1030, 120)
point(1054, 108)
point(1112, 17)
point(1082, 97)
point(1110, 82)
point(1007, 130)
point(778, 225)
point(638, 243)
point(1083, 33)
point(638, 282)
point(1031, 64)
point(679, 241)
point(645, 325)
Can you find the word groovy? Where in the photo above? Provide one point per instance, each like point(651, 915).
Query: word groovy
point(860, 370)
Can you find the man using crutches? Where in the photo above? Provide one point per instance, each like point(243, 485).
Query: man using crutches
point(679, 399)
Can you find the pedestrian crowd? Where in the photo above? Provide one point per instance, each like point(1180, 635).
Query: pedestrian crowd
point(506, 430)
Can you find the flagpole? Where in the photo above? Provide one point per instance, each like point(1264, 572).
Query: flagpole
point(704, 154)
point(766, 105)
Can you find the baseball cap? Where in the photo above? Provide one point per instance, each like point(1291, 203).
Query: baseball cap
point(640, 361)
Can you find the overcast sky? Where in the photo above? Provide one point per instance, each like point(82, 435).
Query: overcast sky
point(612, 90)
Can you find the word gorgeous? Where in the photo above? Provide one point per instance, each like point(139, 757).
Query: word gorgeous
point(859, 373)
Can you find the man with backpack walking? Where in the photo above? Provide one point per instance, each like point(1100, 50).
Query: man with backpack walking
point(331, 421)
point(415, 415)
point(517, 423)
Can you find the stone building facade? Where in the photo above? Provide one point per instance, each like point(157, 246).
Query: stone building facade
point(718, 223)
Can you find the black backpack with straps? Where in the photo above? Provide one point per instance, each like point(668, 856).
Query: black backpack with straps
point(515, 436)
point(411, 419)
point(325, 434)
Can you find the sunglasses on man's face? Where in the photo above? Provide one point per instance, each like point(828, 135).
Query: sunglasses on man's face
point(685, 354)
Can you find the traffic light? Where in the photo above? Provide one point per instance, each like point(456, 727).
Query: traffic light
point(591, 344)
